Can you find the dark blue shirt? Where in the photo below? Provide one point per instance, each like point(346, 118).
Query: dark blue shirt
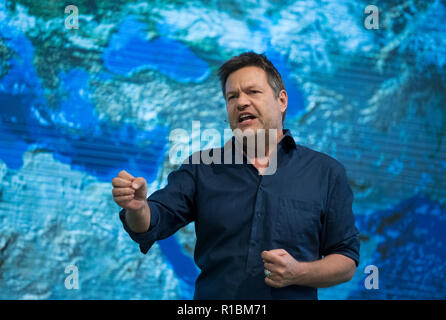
point(305, 207)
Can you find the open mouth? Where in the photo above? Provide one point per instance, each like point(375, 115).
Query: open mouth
point(246, 118)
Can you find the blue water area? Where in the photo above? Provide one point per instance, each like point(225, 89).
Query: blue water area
point(73, 133)
point(129, 50)
point(76, 109)
point(411, 254)
point(21, 97)
point(181, 264)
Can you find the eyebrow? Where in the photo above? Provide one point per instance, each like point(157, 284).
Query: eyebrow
point(251, 86)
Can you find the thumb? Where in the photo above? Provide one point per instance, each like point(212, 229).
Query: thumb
point(138, 183)
point(279, 252)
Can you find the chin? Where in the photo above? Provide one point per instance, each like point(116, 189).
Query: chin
point(248, 130)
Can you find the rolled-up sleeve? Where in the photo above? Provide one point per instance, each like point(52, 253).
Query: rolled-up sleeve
point(171, 208)
point(144, 239)
point(339, 233)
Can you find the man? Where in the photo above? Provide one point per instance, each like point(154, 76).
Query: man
point(259, 236)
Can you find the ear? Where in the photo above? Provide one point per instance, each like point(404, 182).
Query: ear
point(283, 100)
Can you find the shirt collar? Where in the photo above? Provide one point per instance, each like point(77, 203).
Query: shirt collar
point(287, 140)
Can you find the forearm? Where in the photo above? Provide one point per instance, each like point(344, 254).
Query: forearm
point(138, 220)
point(329, 271)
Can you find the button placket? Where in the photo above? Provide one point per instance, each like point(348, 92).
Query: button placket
point(253, 250)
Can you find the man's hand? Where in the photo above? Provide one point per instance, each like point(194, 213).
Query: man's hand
point(129, 192)
point(284, 269)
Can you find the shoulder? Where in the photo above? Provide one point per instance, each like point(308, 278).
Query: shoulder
point(325, 162)
point(202, 159)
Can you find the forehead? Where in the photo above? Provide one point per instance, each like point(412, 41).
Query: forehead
point(246, 76)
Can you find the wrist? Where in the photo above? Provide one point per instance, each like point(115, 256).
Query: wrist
point(301, 273)
point(139, 211)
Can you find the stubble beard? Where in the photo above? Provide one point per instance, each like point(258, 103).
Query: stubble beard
point(256, 142)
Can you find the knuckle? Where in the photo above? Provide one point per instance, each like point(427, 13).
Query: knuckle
point(123, 198)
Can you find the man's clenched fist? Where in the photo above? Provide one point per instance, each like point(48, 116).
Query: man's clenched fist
point(283, 269)
point(129, 192)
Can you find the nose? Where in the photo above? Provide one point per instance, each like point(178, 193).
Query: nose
point(242, 102)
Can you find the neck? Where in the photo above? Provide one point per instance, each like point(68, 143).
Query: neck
point(259, 157)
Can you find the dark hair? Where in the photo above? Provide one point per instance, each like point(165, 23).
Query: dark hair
point(248, 59)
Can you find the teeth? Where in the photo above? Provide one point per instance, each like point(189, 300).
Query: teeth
point(245, 116)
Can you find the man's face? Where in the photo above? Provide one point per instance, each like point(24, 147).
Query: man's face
point(251, 102)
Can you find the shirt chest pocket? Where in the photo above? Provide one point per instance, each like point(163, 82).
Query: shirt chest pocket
point(297, 223)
